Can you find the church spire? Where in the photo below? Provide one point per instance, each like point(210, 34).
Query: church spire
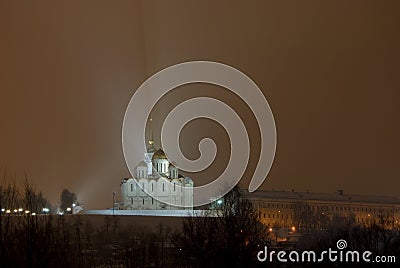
point(150, 147)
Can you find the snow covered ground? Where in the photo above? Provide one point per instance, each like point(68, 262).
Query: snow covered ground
point(160, 213)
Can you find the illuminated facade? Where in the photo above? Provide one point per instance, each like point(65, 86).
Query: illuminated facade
point(157, 185)
point(317, 211)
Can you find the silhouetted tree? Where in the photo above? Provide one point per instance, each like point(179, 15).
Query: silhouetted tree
point(67, 199)
point(33, 200)
point(228, 236)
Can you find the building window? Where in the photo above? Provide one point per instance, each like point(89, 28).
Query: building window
point(174, 187)
point(132, 187)
point(152, 201)
point(152, 187)
point(163, 187)
point(143, 201)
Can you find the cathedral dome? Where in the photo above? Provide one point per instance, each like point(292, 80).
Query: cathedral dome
point(159, 154)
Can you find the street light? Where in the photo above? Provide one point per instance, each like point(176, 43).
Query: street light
point(45, 210)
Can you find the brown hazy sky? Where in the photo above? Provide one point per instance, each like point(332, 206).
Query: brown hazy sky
point(330, 71)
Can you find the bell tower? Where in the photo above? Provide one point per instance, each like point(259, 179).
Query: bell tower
point(148, 156)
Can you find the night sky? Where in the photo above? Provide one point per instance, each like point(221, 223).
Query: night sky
point(330, 71)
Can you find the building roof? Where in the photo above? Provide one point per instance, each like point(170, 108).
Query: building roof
point(327, 197)
point(141, 164)
point(159, 154)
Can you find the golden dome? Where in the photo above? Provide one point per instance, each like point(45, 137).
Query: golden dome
point(159, 154)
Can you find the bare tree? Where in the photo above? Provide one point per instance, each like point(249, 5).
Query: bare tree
point(67, 200)
point(228, 236)
point(32, 200)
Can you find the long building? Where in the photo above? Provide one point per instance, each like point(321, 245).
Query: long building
point(305, 210)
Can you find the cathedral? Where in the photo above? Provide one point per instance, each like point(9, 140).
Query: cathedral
point(157, 185)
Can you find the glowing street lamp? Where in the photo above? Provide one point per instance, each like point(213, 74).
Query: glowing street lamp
point(45, 210)
point(3, 209)
point(27, 212)
point(69, 209)
point(8, 211)
point(20, 210)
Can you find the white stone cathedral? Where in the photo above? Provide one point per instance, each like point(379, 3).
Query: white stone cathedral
point(157, 185)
